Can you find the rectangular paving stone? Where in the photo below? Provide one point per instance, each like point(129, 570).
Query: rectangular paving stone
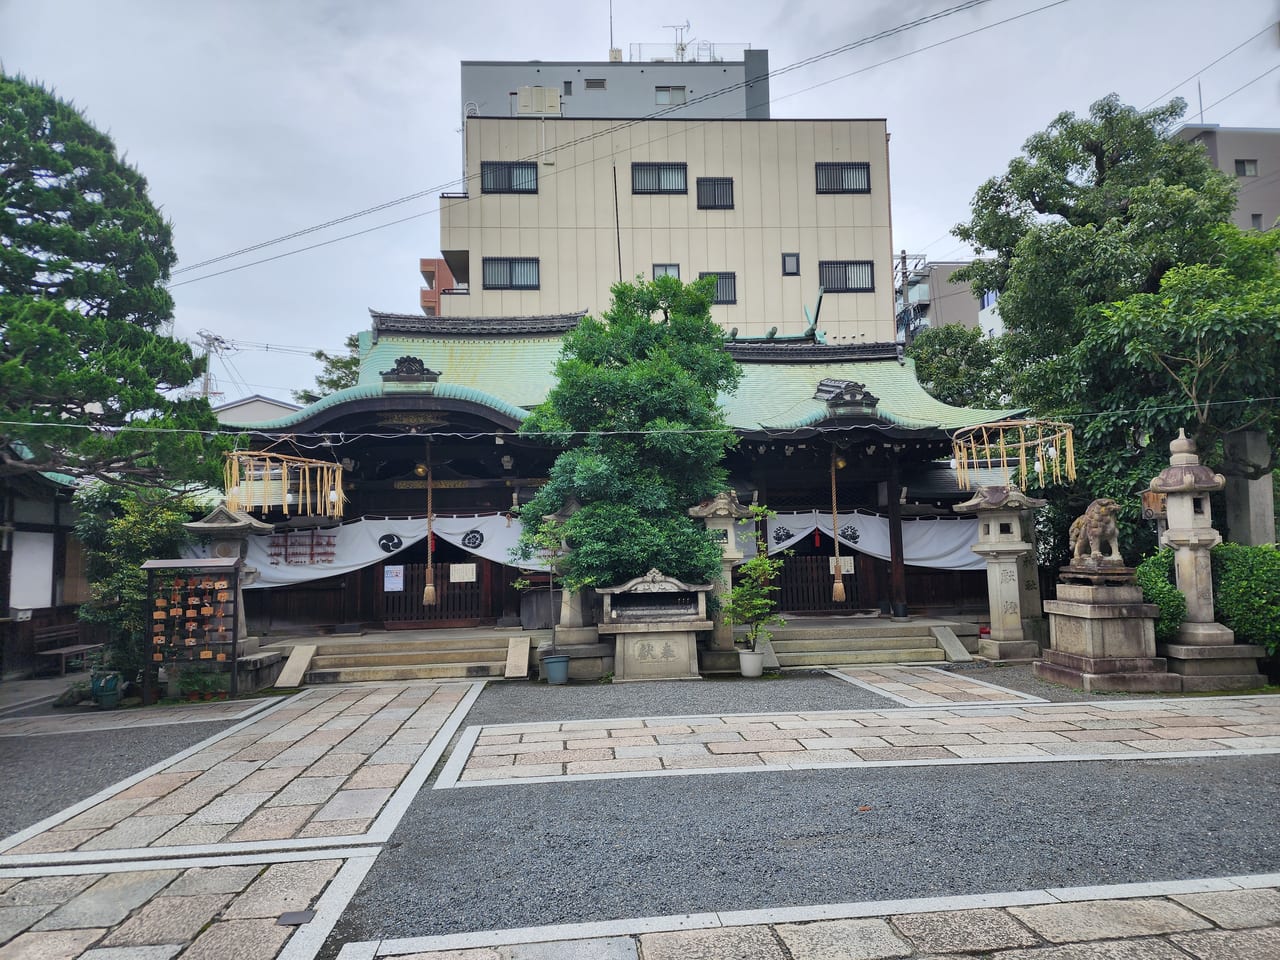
point(510, 749)
point(133, 832)
point(1071, 748)
point(233, 808)
point(1021, 736)
point(189, 834)
point(1234, 909)
point(962, 931)
point(1231, 945)
point(108, 813)
point(708, 760)
point(811, 756)
point(1107, 919)
point(1104, 736)
point(205, 880)
point(168, 920)
point(155, 952)
point(109, 900)
point(758, 746)
point(336, 765)
point(263, 780)
point(281, 888)
point(398, 753)
point(978, 751)
point(274, 823)
point(51, 891)
point(614, 766)
point(713, 736)
point(1182, 746)
point(476, 763)
point(53, 945)
point(53, 841)
point(506, 773)
point(905, 753)
point(562, 756)
point(239, 940)
point(335, 828)
point(185, 800)
point(306, 790)
point(609, 743)
point(1143, 949)
point(353, 805)
point(930, 739)
point(730, 943)
point(14, 920)
point(661, 750)
point(157, 785)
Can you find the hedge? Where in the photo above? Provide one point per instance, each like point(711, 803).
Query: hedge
point(1246, 593)
point(1155, 576)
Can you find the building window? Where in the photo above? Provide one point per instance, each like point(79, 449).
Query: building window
point(791, 264)
point(845, 276)
point(1255, 221)
point(715, 193)
point(844, 177)
point(726, 286)
point(593, 83)
point(659, 178)
point(511, 273)
point(668, 96)
point(1246, 168)
point(508, 177)
point(568, 88)
point(666, 270)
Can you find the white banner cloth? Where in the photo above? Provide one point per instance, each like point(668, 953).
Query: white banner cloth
point(937, 542)
point(302, 555)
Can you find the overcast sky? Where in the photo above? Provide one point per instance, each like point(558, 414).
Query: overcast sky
point(252, 119)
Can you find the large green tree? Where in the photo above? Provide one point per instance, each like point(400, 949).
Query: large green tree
point(87, 368)
point(1097, 209)
point(961, 366)
point(635, 406)
point(338, 371)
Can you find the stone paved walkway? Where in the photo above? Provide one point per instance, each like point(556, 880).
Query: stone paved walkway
point(89, 721)
point(656, 746)
point(1226, 922)
point(323, 764)
point(927, 686)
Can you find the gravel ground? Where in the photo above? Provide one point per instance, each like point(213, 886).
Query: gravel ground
point(523, 701)
point(495, 857)
point(46, 774)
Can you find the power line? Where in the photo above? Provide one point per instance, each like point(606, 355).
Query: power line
point(1242, 86)
point(626, 124)
point(1213, 63)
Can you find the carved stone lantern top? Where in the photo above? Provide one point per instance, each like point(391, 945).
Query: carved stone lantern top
point(1185, 473)
point(224, 522)
point(998, 498)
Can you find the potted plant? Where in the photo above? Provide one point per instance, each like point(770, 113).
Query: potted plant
point(751, 601)
point(105, 685)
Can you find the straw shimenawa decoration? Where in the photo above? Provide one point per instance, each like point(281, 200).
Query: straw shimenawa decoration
point(297, 485)
point(1047, 447)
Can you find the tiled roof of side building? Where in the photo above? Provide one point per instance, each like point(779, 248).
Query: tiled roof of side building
point(419, 325)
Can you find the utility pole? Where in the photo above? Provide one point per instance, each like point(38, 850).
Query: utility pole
point(211, 344)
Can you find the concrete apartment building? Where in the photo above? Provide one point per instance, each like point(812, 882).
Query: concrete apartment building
point(1252, 156)
point(581, 174)
point(934, 299)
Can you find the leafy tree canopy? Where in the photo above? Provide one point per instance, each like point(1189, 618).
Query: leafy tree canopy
point(635, 405)
point(84, 313)
point(339, 371)
point(960, 366)
point(1096, 209)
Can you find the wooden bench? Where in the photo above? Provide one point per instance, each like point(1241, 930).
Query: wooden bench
point(53, 642)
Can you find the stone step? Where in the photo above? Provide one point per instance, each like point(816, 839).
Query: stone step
point(845, 658)
point(341, 658)
point(421, 671)
point(807, 645)
point(494, 642)
point(852, 630)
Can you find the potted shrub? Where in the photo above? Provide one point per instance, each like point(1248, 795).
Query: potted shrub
point(751, 601)
point(106, 686)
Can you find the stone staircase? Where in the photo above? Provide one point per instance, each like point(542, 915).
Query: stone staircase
point(443, 658)
point(808, 646)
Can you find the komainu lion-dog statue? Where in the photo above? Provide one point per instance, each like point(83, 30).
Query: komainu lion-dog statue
point(1096, 527)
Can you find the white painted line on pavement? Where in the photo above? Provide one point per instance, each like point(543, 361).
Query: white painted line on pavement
point(132, 866)
point(107, 793)
point(365, 950)
point(458, 759)
point(310, 937)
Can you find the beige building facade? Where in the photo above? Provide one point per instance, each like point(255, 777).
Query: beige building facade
point(557, 210)
point(1252, 156)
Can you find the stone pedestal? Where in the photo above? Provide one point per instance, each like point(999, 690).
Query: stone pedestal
point(655, 651)
point(1013, 588)
point(1205, 655)
point(1101, 635)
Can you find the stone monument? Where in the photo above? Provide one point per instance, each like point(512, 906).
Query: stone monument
point(1013, 585)
point(721, 515)
point(655, 620)
point(1205, 654)
point(1101, 635)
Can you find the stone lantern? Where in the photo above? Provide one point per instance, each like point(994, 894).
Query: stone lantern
point(1206, 654)
point(1013, 585)
point(721, 515)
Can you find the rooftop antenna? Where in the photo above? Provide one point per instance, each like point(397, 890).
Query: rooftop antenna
point(610, 24)
point(681, 44)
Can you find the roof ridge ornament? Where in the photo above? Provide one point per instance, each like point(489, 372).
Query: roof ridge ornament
point(409, 369)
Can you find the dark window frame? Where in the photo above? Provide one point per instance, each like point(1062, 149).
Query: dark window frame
point(834, 182)
point(715, 188)
point(723, 276)
point(790, 273)
point(826, 267)
point(1242, 167)
point(671, 88)
point(594, 83)
point(657, 169)
point(503, 171)
point(510, 263)
point(667, 272)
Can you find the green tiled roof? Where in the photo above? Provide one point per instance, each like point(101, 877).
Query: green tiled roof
point(518, 370)
point(779, 396)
